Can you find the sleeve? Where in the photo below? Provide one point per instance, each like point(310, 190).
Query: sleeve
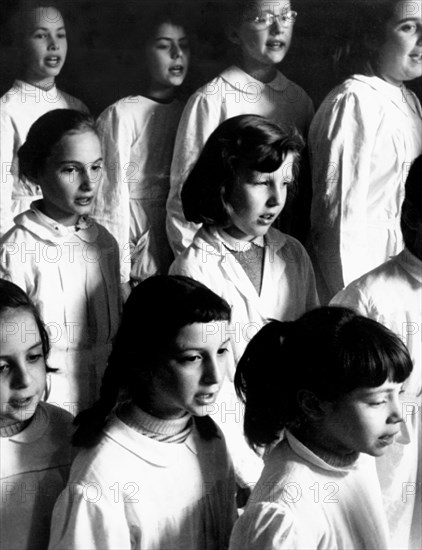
point(9, 169)
point(86, 518)
point(199, 119)
point(111, 207)
point(12, 262)
point(341, 139)
point(268, 526)
point(353, 298)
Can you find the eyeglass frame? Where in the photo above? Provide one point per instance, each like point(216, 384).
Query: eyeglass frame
point(286, 19)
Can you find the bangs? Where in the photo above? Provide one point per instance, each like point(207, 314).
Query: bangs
point(372, 355)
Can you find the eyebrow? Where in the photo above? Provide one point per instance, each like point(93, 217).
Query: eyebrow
point(100, 159)
point(181, 349)
point(37, 344)
point(46, 29)
point(170, 39)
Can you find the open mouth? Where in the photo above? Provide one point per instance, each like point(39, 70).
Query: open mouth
point(275, 45)
point(205, 398)
point(417, 57)
point(20, 403)
point(84, 201)
point(52, 61)
point(177, 70)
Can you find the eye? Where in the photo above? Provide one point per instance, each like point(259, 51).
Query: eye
point(69, 170)
point(3, 367)
point(376, 403)
point(96, 167)
point(408, 28)
point(223, 351)
point(61, 35)
point(190, 358)
point(35, 357)
point(40, 35)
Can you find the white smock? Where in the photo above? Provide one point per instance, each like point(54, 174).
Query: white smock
point(232, 93)
point(131, 491)
point(34, 469)
point(362, 142)
point(72, 276)
point(138, 136)
point(302, 502)
point(392, 295)
point(20, 107)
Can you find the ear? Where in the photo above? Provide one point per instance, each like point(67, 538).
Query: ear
point(311, 405)
point(232, 35)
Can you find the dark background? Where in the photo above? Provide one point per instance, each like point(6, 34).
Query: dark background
point(103, 62)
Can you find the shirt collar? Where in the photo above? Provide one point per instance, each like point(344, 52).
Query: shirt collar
point(237, 245)
point(246, 83)
point(50, 230)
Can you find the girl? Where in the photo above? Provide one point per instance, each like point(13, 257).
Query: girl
point(331, 380)
point(154, 472)
point(392, 294)
point(67, 263)
point(138, 137)
point(40, 34)
point(262, 32)
point(35, 448)
point(364, 134)
point(237, 189)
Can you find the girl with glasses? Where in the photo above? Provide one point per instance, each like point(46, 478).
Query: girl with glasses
point(262, 32)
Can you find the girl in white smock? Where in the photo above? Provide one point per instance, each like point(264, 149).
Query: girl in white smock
point(237, 189)
point(154, 471)
point(138, 134)
point(67, 263)
point(262, 32)
point(321, 394)
point(362, 140)
point(392, 294)
point(35, 448)
point(40, 33)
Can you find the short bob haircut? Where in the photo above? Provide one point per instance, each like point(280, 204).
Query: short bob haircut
point(13, 297)
point(45, 134)
point(411, 212)
point(248, 142)
point(329, 351)
point(365, 33)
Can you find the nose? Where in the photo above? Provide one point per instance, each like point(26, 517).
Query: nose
point(53, 43)
point(396, 411)
point(276, 25)
point(176, 51)
point(21, 377)
point(276, 193)
point(90, 179)
point(213, 372)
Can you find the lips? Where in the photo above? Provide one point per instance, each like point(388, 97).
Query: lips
point(387, 439)
point(275, 44)
point(205, 398)
point(416, 56)
point(20, 403)
point(84, 201)
point(177, 70)
point(52, 61)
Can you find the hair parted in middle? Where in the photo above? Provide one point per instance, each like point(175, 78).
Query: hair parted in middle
point(45, 134)
point(244, 142)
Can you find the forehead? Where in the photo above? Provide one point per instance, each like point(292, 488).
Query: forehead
point(18, 330)
point(47, 17)
point(271, 6)
point(78, 145)
point(407, 9)
point(169, 30)
point(201, 335)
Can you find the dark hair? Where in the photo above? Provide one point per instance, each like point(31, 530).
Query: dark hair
point(411, 211)
point(329, 351)
point(152, 316)
point(13, 297)
point(45, 134)
point(244, 141)
point(363, 34)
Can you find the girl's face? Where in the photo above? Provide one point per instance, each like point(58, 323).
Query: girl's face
point(366, 420)
point(167, 56)
point(70, 177)
point(400, 57)
point(22, 366)
point(264, 40)
point(44, 46)
point(257, 199)
point(190, 372)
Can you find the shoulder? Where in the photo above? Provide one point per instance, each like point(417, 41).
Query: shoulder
point(124, 107)
point(72, 102)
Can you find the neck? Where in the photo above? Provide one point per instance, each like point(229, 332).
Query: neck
point(43, 84)
point(262, 73)
point(160, 94)
point(333, 456)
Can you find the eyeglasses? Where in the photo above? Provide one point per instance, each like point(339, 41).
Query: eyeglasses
point(267, 19)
